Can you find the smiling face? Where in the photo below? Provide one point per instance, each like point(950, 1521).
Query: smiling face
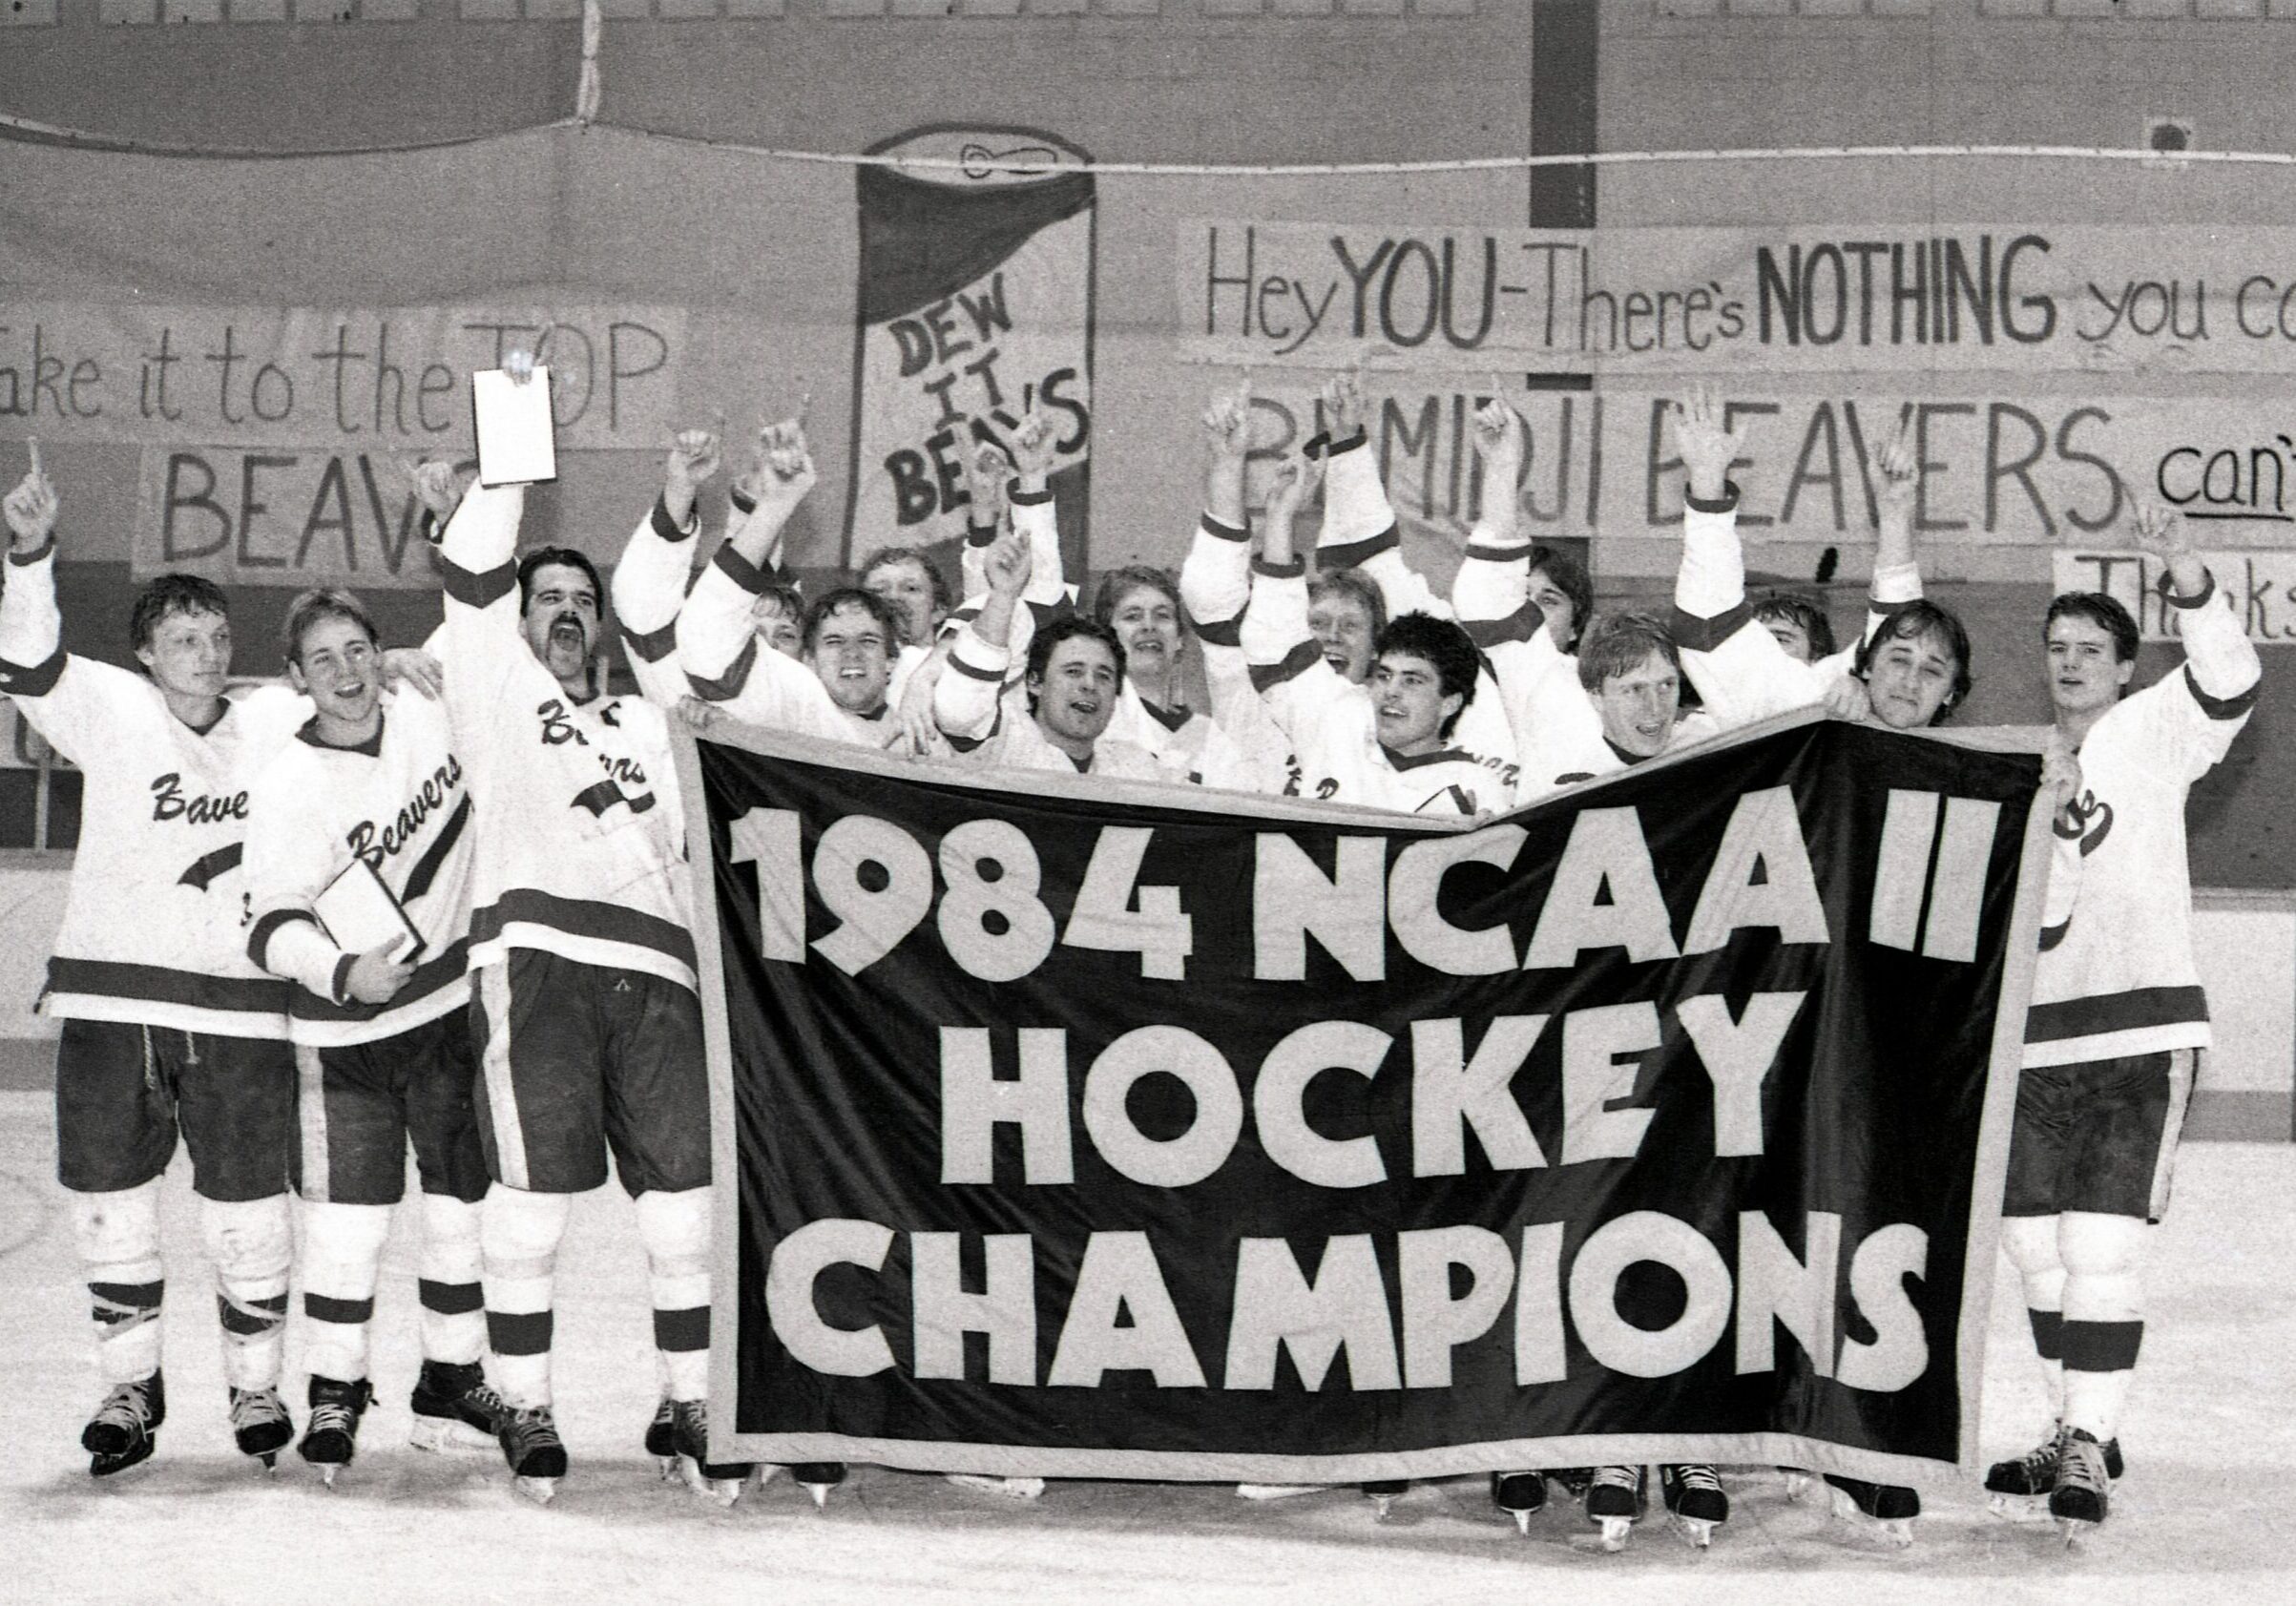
point(561, 621)
point(1908, 678)
point(853, 656)
point(1638, 706)
point(189, 657)
point(778, 627)
point(1408, 704)
point(2086, 672)
point(907, 589)
point(1147, 621)
point(338, 666)
point(1076, 695)
point(1342, 626)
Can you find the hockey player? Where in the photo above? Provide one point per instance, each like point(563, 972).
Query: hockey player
point(585, 1010)
point(1910, 668)
point(168, 1026)
point(2118, 1013)
point(371, 790)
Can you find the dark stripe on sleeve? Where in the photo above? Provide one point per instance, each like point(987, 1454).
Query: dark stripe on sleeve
point(727, 686)
point(668, 528)
point(338, 986)
point(743, 502)
point(35, 680)
point(1296, 663)
point(2166, 586)
point(1722, 504)
point(1029, 498)
point(1291, 571)
point(1483, 554)
point(259, 940)
point(1351, 555)
point(1220, 633)
point(1695, 635)
point(741, 571)
point(478, 590)
point(957, 663)
point(1521, 625)
point(1220, 531)
point(978, 535)
point(25, 560)
point(2053, 935)
point(1324, 446)
point(653, 645)
point(2221, 707)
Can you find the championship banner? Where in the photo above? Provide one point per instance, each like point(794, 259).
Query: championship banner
point(1813, 298)
point(1125, 1132)
point(975, 305)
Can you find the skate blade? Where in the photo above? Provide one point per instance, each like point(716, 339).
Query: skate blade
point(820, 1494)
point(1522, 1523)
point(112, 1466)
point(1896, 1533)
point(1004, 1489)
point(724, 1491)
point(1796, 1485)
point(1382, 1507)
point(1698, 1530)
point(540, 1491)
point(269, 1460)
point(2074, 1532)
point(667, 1468)
point(328, 1472)
point(1615, 1531)
point(448, 1432)
point(1278, 1491)
point(2019, 1508)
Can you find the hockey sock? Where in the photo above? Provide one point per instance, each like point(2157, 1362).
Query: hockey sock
point(252, 1245)
point(675, 1227)
point(2031, 1243)
point(118, 1235)
point(518, 1235)
point(454, 1320)
point(2104, 1317)
point(341, 1257)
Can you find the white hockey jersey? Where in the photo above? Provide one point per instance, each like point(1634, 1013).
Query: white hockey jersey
point(2119, 977)
point(991, 726)
point(152, 932)
point(579, 821)
point(401, 805)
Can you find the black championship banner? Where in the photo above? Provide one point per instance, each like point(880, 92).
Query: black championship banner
point(1103, 1131)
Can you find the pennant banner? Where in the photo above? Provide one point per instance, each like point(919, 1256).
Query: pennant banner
point(974, 308)
point(1109, 1134)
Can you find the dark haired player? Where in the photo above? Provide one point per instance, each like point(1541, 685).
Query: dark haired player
point(2117, 1015)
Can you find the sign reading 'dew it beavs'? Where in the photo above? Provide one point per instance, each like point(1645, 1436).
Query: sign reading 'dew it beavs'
point(974, 308)
point(2035, 298)
point(1096, 1131)
point(357, 379)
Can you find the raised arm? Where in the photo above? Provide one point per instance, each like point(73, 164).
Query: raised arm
point(716, 646)
point(649, 582)
point(1216, 578)
point(1359, 530)
point(81, 706)
point(964, 700)
point(1034, 519)
point(2206, 704)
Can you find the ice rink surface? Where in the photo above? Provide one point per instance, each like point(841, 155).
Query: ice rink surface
point(2204, 1514)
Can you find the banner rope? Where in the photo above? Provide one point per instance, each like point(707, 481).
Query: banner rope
point(980, 165)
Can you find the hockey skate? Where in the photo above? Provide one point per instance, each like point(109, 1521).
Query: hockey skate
point(261, 1424)
point(535, 1453)
point(1519, 1495)
point(722, 1481)
point(330, 1436)
point(2018, 1487)
point(1695, 1500)
point(124, 1430)
point(818, 1478)
point(1614, 1501)
point(1888, 1508)
point(1383, 1495)
point(2081, 1496)
point(455, 1407)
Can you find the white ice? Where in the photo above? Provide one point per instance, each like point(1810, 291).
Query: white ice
point(2204, 1514)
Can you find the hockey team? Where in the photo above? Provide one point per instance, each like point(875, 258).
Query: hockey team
point(511, 826)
